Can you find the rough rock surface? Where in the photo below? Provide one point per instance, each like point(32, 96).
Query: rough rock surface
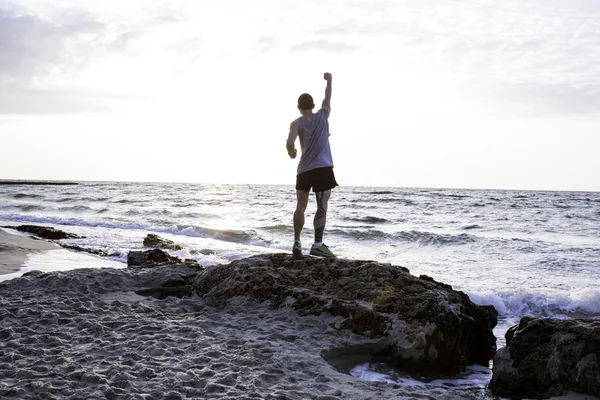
point(416, 324)
point(150, 258)
point(548, 357)
point(96, 252)
point(44, 232)
point(155, 241)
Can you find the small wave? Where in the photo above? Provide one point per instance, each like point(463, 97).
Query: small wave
point(583, 303)
point(477, 205)
point(469, 227)
point(451, 196)
point(237, 236)
point(421, 238)
point(562, 206)
point(277, 228)
point(31, 207)
point(94, 198)
point(368, 219)
point(380, 192)
point(194, 215)
point(436, 239)
point(27, 196)
point(65, 200)
point(75, 208)
point(228, 235)
point(102, 211)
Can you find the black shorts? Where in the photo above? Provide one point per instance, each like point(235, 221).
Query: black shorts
point(319, 179)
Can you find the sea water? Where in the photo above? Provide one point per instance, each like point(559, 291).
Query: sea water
point(525, 252)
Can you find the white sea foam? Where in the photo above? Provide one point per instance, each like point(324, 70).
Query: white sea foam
point(475, 376)
point(510, 304)
point(61, 260)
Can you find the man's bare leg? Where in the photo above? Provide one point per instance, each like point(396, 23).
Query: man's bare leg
point(302, 202)
point(321, 215)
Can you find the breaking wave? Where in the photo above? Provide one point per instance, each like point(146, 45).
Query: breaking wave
point(585, 303)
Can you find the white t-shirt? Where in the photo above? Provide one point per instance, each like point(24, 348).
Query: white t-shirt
point(314, 142)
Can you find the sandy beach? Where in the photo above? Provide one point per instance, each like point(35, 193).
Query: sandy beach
point(14, 250)
point(85, 333)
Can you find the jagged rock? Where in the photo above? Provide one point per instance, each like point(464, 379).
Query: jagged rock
point(157, 242)
point(548, 357)
point(97, 252)
point(150, 258)
point(176, 286)
point(414, 323)
point(162, 293)
point(45, 232)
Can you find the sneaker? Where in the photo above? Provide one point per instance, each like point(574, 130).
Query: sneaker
point(321, 251)
point(297, 249)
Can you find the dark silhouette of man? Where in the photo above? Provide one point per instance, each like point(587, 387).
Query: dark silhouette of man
point(315, 168)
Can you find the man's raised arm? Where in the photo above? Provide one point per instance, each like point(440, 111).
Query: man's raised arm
point(326, 106)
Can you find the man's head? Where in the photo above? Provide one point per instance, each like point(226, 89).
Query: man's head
point(305, 102)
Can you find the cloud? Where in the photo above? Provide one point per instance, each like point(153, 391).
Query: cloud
point(325, 46)
point(19, 100)
point(189, 47)
point(265, 44)
point(32, 46)
point(514, 49)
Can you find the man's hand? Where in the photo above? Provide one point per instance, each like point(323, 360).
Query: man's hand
point(293, 153)
point(327, 76)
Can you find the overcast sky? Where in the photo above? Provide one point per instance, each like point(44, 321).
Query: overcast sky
point(426, 93)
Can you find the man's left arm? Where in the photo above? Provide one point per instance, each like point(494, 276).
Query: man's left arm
point(290, 144)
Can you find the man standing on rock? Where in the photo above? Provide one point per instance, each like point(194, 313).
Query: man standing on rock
point(315, 169)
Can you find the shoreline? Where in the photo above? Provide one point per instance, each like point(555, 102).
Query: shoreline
point(15, 250)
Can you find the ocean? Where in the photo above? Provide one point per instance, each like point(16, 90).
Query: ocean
point(525, 252)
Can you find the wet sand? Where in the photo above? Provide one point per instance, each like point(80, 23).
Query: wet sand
point(14, 250)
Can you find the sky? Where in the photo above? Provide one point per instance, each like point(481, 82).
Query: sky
point(426, 93)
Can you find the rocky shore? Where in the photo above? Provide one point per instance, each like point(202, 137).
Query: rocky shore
point(268, 326)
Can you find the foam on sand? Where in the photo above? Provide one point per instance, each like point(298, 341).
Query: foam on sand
point(14, 250)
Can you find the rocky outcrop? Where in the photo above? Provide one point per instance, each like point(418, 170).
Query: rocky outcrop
point(548, 357)
point(177, 286)
point(150, 258)
point(417, 324)
point(44, 232)
point(155, 241)
point(96, 252)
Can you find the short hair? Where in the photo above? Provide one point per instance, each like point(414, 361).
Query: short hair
point(305, 102)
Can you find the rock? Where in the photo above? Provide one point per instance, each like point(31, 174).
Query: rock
point(150, 258)
point(157, 242)
point(416, 324)
point(164, 292)
point(548, 357)
point(97, 252)
point(45, 232)
point(176, 285)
